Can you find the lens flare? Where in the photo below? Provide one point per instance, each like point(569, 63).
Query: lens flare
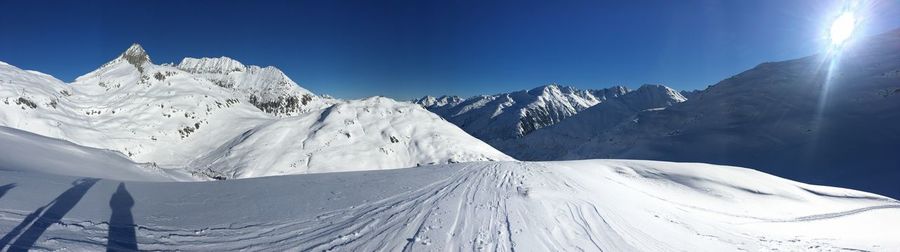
point(842, 29)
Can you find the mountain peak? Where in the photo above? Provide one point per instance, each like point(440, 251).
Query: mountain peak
point(136, 55)
point(426, 101)
point(653, 96)
point(135, 49)
point(549, 88)
point(658, 88)
point(546, 86)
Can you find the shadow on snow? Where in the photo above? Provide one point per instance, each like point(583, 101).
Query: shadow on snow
point(121, 223)
point(44, 216)
point(5, 188)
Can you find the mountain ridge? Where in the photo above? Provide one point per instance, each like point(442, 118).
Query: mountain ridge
point(554, 141)
point(511, 115)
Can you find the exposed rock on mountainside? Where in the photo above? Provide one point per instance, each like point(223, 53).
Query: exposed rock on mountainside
point(266, 88)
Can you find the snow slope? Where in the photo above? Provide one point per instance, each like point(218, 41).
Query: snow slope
point(511, 115)
point(171, 115)
point(822, 119)
point(374, 133)
point(24, 151)
point(594, 205)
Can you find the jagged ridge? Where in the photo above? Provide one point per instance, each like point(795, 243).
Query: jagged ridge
point(513, 115)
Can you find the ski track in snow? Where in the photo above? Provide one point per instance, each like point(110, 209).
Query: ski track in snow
point(487, 206)
point(381, 225)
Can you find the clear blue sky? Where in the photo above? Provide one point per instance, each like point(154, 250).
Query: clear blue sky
point(406, 49)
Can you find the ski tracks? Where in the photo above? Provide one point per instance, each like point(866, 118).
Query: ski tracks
point(466, 211)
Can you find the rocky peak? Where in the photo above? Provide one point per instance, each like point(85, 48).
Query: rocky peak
point(426, 101)
point(135, 55)
point(431, 101)
point(451, 100)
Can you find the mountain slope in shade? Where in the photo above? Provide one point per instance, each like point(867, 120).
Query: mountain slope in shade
point(170, 116)
point(592, 205)
point(564, 139)
point(512, 115)
point(822, 119)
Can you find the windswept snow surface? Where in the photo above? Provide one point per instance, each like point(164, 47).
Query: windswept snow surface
point(611, 205)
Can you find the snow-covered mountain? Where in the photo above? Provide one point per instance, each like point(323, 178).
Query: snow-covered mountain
point(590, 205)
point(170, 115)
point(557, 141)
point(498, 117)
point(267, 88)
point(830, 118)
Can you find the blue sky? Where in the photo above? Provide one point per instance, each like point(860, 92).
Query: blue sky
point(406, 49)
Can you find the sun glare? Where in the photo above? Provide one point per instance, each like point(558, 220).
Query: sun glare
point(842, 29)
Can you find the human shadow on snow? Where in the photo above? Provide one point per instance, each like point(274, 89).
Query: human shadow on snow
point(5, 188)
point(44, 216)
point(122, 235)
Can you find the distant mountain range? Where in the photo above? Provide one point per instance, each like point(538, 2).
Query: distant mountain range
point(512, 115)
point(560, 140)
point(546, 122)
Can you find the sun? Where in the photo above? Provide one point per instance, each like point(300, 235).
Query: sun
point(842, 29)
